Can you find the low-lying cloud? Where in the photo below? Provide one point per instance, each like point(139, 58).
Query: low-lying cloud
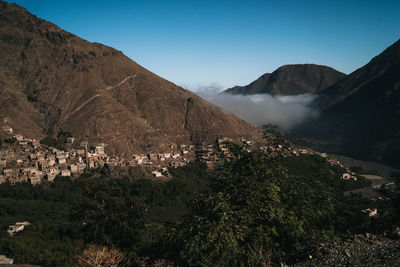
point(284, 111)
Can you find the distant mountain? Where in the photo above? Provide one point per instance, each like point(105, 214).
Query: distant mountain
point(291, 80)
point(53, 82)
point(360, 115)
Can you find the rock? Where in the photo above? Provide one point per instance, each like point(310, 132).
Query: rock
point(367, 250)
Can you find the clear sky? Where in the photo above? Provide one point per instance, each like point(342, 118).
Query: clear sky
point(196, 43)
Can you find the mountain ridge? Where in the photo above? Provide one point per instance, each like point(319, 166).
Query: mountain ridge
point(360, 114)
point(55, 82)
point(291, 79)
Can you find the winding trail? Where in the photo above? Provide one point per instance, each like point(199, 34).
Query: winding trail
point(108, 88)
point(81, 106)
point(100, 92)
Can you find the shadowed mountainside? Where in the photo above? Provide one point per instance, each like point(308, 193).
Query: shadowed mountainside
point(291, 80)
point(53, 82)
point(360, 115)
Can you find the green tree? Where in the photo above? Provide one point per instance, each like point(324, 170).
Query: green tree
point(48, 141)
point(257, 213)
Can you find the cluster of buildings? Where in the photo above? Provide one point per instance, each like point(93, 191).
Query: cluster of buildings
point(26, 160)
point(210, 154)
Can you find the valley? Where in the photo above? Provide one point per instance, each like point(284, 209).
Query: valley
point(106, 163)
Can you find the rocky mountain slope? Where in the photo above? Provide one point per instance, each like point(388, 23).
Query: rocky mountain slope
point(360, 115)
point(361, 250)
point(53, 82)
point(291, 80)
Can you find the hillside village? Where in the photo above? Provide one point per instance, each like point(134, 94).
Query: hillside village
point(27, 160)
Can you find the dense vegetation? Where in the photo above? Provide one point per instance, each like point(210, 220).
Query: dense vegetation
point(252, 210)
point(48, 141)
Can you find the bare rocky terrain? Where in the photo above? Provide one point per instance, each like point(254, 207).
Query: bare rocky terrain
point(361, 250)
point(53, 82)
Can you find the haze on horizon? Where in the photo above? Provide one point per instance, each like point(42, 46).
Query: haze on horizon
point(198, 43)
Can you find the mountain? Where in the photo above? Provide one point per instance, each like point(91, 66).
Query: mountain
point(55, 83)
point(360, 115)
point(291, 80)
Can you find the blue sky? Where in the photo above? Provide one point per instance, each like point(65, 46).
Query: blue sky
point(196, 43)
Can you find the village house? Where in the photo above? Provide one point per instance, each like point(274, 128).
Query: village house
point(153, 156)
point(348, 176)
point(140, 161)
point(99, 150)
point(51, 176)
point(43, 165)
point(32, 157)
point(370, 212)
point(51, 162)
point(6, 128)
point(177, 164)
point(5, 260)
point(112, 163)
point(22, 178)
point(83, 144)
point(65, 173)
point(81, 167)
point(35, 143)
point(40, 156)
point(35, 176)
point(18, 137)
point(7, 172)
point(17, 227)
point(3, 153)
point(161, 157)
point(53, 171)
point(92, 164)
point(26, 169)
point(23, 142)
point(3, 163)
point(156, 173)
point(73, 168)
point(34, 179)
point(62, 160)
point(176, 155)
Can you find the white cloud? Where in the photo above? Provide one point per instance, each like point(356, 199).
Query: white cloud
point(284, 111)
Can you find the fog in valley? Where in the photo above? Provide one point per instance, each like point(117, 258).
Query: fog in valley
point(283, 111)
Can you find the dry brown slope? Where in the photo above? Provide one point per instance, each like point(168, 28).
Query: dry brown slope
point(53, 81)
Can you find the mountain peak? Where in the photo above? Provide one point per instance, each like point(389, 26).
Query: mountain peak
point(360, 114)
point(53, 82)
point(291, 80)
point(388, 60)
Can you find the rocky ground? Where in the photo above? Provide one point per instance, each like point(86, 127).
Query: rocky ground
point(362, 250)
